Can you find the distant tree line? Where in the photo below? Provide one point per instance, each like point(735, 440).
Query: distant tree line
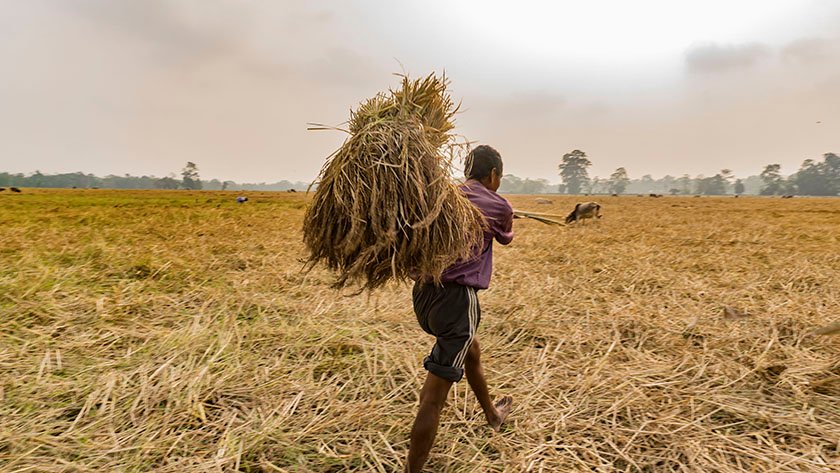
point(189, 180)
point(818, 178)
point(516, 185)
point(814, 177)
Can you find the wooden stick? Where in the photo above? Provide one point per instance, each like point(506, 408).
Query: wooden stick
point(538, 214)
point(538, 218)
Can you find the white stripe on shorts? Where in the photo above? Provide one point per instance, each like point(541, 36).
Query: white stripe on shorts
point(473, 316)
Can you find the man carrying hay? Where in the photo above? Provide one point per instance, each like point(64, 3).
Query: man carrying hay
point(451, 313)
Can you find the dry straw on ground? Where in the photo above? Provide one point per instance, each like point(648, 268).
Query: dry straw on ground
point(173, 332)
point(386, 206)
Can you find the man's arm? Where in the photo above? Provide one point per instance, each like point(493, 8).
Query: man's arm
point(504, 225)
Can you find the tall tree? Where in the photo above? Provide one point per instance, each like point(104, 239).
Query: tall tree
point(715, 185)
point(739, 187)
point(618, 181)
point(190, 176)
point(773, 181)
point(831, 168)
point(573, 171)
point(819, 178)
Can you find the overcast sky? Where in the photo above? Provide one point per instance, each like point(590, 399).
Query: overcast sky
point(659, 86)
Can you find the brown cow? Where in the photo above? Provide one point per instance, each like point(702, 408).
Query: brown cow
point(584, 211)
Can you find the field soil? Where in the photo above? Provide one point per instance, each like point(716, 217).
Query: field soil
point(174, 331)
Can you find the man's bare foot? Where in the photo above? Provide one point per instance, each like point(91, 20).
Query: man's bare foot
point(503, 407)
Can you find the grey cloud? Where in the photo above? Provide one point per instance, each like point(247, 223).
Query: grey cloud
point(709, 58)
point(810, 50)
point(175, 39)
point(141, 84)
point(181, 35)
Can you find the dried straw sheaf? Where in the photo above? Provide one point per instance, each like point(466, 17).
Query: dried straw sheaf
point(386, 207)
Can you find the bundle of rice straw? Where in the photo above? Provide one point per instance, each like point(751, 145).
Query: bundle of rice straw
point(386, 207)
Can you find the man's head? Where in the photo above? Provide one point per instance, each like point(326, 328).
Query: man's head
point(484, 164)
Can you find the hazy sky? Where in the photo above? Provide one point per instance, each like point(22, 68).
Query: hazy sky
point(659, 86)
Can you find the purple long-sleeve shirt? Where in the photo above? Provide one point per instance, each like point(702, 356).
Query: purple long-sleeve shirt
point(476, 271)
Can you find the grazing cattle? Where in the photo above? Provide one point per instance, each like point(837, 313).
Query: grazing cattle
point(291, 190)
point(614, 195)
point(787, 197)
point(655, 195)
point(542, 201)
point(14, 189)
point(584, 211)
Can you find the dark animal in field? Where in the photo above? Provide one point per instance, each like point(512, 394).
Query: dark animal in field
point(2, 189)
point(655, 195)
point(787, 197)
point(291, 190)
point(584, 211)
point(241, 199)
point(542, 201)
point(615, 195)
point(15, 189)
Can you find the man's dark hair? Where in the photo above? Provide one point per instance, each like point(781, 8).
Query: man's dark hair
point(481, 161)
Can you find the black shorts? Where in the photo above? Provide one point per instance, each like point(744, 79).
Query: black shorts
point(451, 313)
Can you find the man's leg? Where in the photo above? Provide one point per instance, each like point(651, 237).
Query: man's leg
point(432, 399)
point(495, 413)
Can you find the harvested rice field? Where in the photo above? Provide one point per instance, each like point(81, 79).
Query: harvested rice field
point(173, 331)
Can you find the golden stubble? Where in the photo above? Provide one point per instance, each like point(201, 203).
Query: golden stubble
point(175, 331)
